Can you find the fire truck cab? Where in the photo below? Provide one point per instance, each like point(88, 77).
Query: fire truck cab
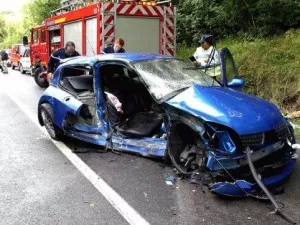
point(146, 26)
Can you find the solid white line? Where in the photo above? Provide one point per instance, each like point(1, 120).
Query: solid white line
point(130, 214)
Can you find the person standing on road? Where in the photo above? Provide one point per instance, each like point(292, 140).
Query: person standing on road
point(116, 48)
point(4, 58)
point(62, 53)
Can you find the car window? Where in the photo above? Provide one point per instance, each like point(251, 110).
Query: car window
point(43, 35)
point(230, 68)
point(167, 76)
point(76, 80)
point(36, 36)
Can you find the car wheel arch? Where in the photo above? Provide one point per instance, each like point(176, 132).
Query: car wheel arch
point(182, 138)
point(53, 130)
point(39, 111)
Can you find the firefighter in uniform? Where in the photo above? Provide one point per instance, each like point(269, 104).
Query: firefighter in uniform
point(207, 56)
point(116, 48)
point(62, 53)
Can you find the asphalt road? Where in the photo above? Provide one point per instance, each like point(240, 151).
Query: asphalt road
point(39, 185)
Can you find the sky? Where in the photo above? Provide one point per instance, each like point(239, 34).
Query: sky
point(14, 6)
point(11, 5)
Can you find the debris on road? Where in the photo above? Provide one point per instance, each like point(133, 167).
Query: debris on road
point(170, 180)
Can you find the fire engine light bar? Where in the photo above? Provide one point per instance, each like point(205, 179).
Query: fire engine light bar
point(140, 2)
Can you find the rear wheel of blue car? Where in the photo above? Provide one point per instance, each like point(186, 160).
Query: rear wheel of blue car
point(46, 114)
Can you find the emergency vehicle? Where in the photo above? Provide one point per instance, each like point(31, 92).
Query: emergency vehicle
point(17, 50)
point(146, 26)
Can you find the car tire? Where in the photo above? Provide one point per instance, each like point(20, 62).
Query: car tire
point(38, 78)
point(13, 66)
point(21, 69)
point(47, 116)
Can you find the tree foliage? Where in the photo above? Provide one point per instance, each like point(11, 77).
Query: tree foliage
point(37, 10)
point(2, 28)
point(34, 12)
point(223, 18)
point(13, 34)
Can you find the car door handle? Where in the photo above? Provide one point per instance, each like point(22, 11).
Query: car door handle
point(66, 99)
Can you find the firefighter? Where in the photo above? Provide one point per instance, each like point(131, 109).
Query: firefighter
point(207, 56)
point(4, 58)
point(62, 53)
point(116, 48)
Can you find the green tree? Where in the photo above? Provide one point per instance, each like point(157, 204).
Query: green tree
point(13, 33)
point(223, 18)
point(37, 10)
point(2, 28)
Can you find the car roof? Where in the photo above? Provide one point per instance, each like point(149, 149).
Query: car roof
point(125, 57)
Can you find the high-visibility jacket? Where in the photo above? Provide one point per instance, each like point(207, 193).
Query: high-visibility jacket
point(213, 71)
point(209, 57)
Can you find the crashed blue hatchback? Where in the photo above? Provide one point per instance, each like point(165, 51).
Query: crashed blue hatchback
point(160, 106)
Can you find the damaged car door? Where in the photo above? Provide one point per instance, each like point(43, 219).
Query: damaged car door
point(74, 100)
point(229, 73)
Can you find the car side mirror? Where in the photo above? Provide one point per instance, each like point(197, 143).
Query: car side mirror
point(236, 83)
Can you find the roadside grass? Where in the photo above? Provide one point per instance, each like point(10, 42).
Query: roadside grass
point(271, 67)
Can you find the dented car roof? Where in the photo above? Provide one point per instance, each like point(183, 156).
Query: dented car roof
point(126, 57)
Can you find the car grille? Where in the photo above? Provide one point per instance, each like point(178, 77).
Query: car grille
point(280, 132)
point(252, 139)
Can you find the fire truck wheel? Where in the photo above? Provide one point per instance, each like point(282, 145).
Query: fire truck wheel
point(13, 67)
point(39, 78)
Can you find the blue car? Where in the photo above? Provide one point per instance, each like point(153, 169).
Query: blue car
point(160, 106)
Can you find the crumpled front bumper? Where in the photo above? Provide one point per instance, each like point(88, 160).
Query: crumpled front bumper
point(241, 188)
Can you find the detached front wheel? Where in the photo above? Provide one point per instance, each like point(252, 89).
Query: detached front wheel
point(40, 78)
point(46, 113)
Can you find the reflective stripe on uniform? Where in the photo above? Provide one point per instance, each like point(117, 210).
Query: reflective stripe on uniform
point(213, 71)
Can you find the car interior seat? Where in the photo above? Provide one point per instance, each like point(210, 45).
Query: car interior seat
point(133, 121)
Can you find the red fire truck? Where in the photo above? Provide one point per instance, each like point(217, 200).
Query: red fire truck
point(146, 26)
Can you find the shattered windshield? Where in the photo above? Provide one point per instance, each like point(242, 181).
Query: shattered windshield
point(166, 78)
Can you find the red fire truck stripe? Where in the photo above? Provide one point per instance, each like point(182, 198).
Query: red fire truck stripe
point(138, 8)
point(151, 10)
point(159, 10)
point(148, 11)
point(129, 9)
point(108, 6)
point(123, 8)
point(170, 31)
point(109, 33)
point(171, 51)
point(108, 19)
point(170, 11)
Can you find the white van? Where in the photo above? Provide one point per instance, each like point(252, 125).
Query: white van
point(25, 63)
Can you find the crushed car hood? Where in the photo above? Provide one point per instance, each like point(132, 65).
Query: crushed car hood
point(244, 113)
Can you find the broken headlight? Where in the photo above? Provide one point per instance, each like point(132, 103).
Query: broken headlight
point(219, 139)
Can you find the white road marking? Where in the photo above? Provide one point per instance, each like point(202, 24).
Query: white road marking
point(130, 214)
